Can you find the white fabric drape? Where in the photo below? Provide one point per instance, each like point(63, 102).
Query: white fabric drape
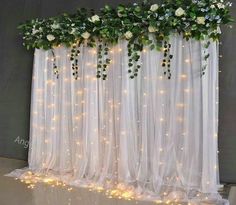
point(155, 135)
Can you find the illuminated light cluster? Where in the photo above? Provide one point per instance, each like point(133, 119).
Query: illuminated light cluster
point(120, 190)
point(31, 179)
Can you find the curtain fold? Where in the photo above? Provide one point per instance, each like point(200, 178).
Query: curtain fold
point(154, 136)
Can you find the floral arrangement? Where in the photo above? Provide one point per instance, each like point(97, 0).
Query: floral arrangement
point(198, 19)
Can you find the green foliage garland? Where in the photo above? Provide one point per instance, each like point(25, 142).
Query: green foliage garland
point(197, 19)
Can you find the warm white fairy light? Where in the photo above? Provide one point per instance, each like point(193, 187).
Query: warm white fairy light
point(187, 60)
point(183, 76)
point(180, 119)
point(125, 92)
point(186, 90)
point(161, 92)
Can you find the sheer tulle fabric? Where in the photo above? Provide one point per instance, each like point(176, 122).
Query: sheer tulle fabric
point(153, 135)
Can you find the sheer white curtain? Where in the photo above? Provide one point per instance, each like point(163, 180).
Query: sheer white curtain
point(154, 136)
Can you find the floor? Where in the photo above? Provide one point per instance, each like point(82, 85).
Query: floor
point(13, 192)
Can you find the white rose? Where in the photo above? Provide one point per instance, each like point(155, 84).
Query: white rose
point(221, 6)
point(34, 31)
point(50, 37)
point(94, 18)
point(152, 29)
point(73, 31)
point(128, 35)
point(201, 20)
point(154, 7)
point(119, 14)
point(85, 35)
point(55, 26)
point(212, 6)
point(218, 30)
point(179, 12)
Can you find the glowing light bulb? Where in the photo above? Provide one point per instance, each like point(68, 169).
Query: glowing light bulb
point(162, 91)
point(125, 91)
point(187, 61)
point(183, 76)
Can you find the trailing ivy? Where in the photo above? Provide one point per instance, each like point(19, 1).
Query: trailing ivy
point(55, 67)
point(141, 24)
point(134, 50)
point(167, 59)
point(206, 55)
point(74, 59)
point(103, 60)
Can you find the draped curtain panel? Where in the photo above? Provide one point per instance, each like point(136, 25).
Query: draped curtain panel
point(154, 136)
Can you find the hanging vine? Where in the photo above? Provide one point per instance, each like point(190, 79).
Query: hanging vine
point(74, 54)
point(134, 51)
point(55, 67)
point(103, 60)
point(167, 59)
point(206, 55)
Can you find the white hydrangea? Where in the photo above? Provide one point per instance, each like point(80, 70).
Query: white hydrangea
point(119, 14)
point(179, 12)
point(34, 31)
point(152, 29)
point(220, 6)
point(50, 37)
point(128, 35)
point(73, 31)
point(154, 7)
point(218, 30)
point(94, 18)
point(85, 35)
point(55, 26)
point(201, 20)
